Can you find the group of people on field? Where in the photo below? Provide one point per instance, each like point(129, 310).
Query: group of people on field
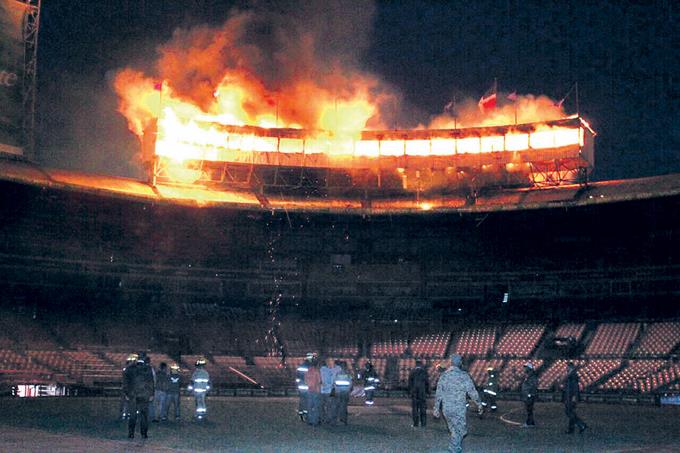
point(150, 393)
point(455, 388)
point(324, 389)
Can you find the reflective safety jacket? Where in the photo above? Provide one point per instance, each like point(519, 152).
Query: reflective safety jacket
point(371, 380)
point(491, 386)
point(343, 382)
point(200, 381)
point(300, 374)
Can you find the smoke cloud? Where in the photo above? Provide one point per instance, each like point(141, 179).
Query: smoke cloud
point(298, 55)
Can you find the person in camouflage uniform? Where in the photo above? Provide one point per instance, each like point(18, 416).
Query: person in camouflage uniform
point(453, 389)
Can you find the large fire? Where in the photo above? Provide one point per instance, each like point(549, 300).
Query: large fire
point(187, 132)
point(202, 109)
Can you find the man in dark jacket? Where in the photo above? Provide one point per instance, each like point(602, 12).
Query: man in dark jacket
point(418, 388)
point(138, 387)
point(530, 392)
point(571, 397)
point(124, 410)
point(172, 398)
point(161, 394)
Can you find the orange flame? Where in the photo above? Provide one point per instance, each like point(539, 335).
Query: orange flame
point(200, 94)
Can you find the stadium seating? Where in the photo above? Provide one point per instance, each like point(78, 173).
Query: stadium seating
point(430, 345)
point(520, 340)
point(663, 377)
point(478, 369)
point(659, 339)
point(91, 367)
point(395, 347)
point(237, 352)
point(612, 339)
point(594, 370)
point(59, 363)
point(574, 331)
point(477, 342)
point(552, 378)
point(629, 375)
point(512, 374)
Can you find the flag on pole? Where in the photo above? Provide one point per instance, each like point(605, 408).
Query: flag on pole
point(512, 96)
point(488, 101)
point(158, 86)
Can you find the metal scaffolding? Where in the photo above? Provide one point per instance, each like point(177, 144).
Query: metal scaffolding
point(31, 26)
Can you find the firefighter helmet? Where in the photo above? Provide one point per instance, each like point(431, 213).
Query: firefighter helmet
point(174, 367)
point(132, 358)
point(200, 361)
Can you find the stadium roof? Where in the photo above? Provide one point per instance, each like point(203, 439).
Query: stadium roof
point(25, 172)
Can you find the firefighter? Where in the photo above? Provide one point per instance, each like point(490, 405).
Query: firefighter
point(490, 390)
point(138, 387)
point(302, 388)
point(174, 385)
point(124, 412)
point(200, 385)
point(343, 387)
point(371, 382)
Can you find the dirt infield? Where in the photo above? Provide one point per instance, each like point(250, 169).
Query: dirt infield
point(270, 425)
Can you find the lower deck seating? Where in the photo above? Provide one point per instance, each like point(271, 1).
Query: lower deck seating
point(667, 375)
point(625, 365)
point(630, 374)
point(478, 369)
point(553, 377)
point(513, 373)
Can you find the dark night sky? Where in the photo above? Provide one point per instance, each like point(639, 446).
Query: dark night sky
point(624, 55)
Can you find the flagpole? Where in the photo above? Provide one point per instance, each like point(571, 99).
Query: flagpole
point(455, 114)
point(154, 164)
point(160, 101)
point(578, 112)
